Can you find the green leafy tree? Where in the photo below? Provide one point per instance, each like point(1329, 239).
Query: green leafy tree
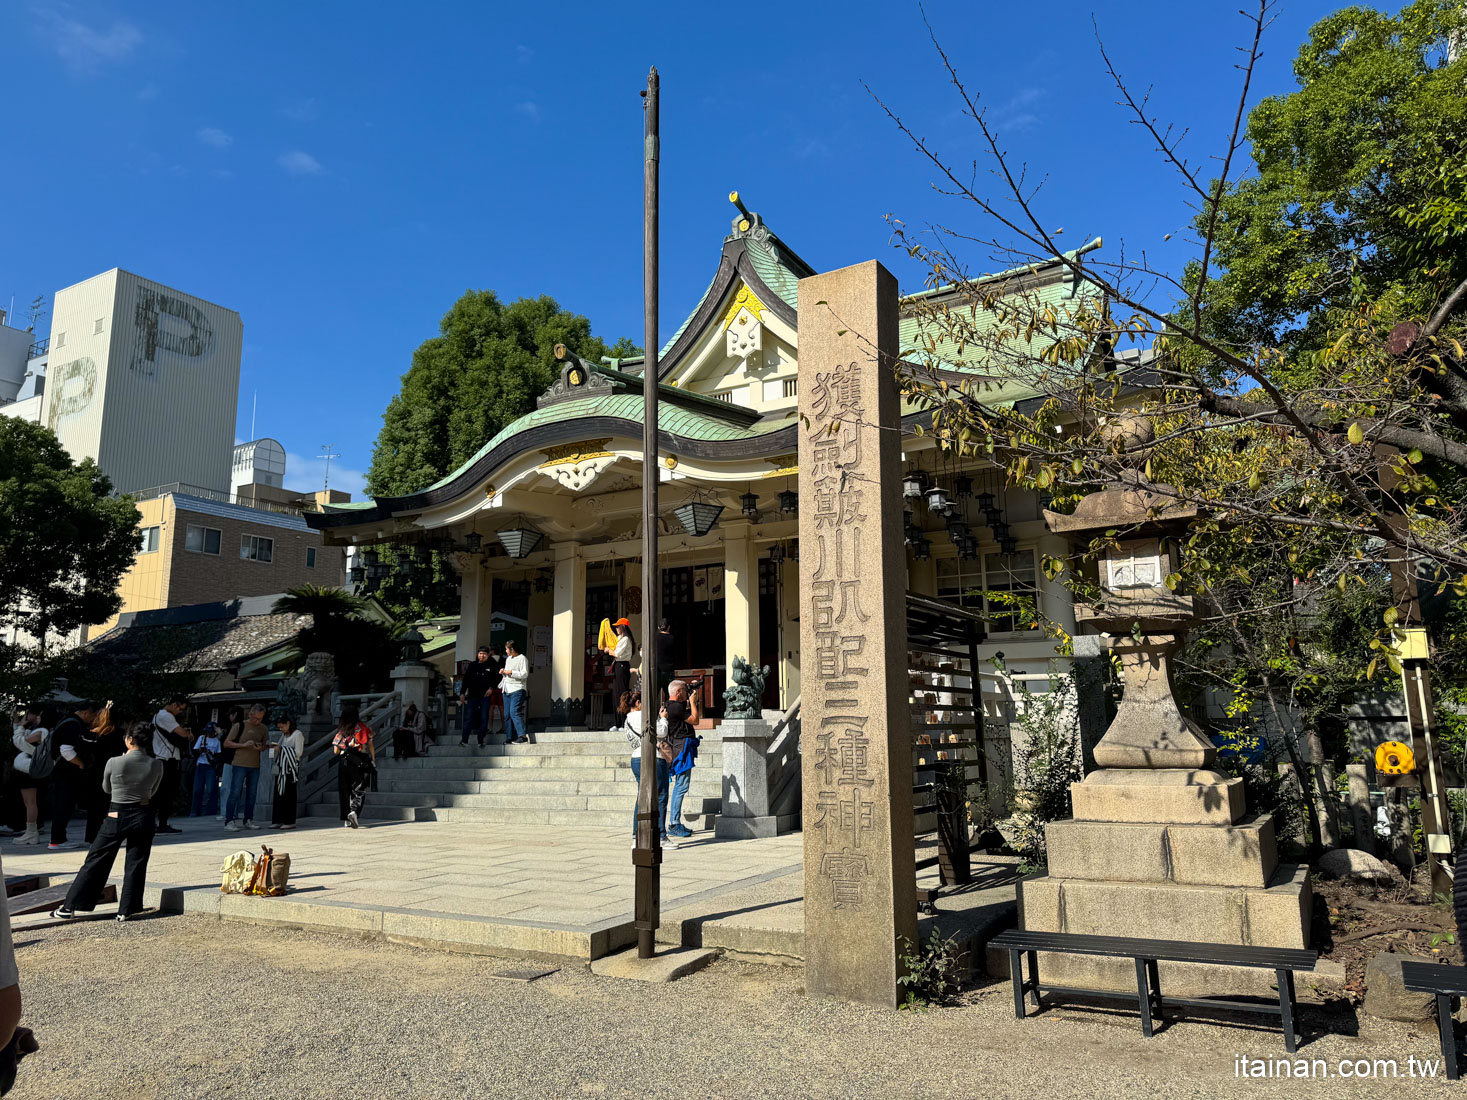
point(486, 367)
point(65, 542)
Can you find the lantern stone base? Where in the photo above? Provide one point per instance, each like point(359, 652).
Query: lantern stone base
point(1189, 855)
point(1273, 916)
point(1181, 795)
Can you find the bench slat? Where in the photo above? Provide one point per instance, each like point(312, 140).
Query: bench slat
point(1425, 977)
point(1268, 958)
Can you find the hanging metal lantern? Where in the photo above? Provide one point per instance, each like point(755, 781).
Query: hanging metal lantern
point(776, 553)
point(357, 573)
point(964, 486)
point(937, 500)
point(789, 502)
point(422, 556)
point(794, 549)
point(967, 548)
point(542, 582)
point(405, 568)
point(369, 557)
point(519, 542)
point(986, 502)
point(749, 505)
point(1009, 547)
point(474, 542)
point(698, 516)
point(914, 484)
point(922, 548)
point(957, 526)
point(1000, 531)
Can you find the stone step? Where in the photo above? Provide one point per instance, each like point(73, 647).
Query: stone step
point(370, 812)
point(449, 767)
point(434, 776)
point(615, 747)
point(552, 783)
point(589, 819)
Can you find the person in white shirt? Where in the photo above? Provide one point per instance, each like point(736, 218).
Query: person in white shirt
point(513, 679)
point(170, 738)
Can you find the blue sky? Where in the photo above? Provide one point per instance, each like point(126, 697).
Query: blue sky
point(339, 173)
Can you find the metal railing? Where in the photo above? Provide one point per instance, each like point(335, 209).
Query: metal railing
point(179, 488)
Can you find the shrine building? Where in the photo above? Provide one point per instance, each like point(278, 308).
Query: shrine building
point(544, 522)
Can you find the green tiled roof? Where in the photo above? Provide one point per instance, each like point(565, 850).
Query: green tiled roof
point(775, 273)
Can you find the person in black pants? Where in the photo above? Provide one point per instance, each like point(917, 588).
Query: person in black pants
point(171, 739)
point(131, 781)
point(72, 745)
point(479, 679)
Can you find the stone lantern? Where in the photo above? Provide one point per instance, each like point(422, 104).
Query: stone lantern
point(1160, 845)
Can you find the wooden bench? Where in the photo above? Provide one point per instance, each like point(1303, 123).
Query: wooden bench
point(1446, 982)
point(1146, 954)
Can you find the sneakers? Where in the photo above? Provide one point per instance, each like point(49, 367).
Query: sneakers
point(64, 846)
point(123, 918)
point(231, 826)
point(352, 822)
point(681, 831)
point(250, 825)
point(464, 743)
point(61, 912)
point(30, 836)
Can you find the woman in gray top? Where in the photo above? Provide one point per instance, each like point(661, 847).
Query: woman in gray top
point(130, 781)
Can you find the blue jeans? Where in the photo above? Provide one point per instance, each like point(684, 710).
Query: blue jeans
point(206, 791)
point(242, 785)
point(514, 715)
point(476, 718)
point(680, 784)
point(661, 795)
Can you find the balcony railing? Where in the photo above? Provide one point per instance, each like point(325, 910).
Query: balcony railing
point(39, 348)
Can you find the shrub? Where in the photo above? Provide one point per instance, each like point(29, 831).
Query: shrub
point(1048, 729)
point(934, 971)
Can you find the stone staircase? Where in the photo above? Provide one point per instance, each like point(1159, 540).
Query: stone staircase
point(563, 777)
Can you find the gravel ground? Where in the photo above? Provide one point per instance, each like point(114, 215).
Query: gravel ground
point(190, 1007)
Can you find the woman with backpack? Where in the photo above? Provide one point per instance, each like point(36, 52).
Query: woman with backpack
point(33, 764)
point(287, 751)
point(208, 759)
point(356, 760)
point(632, 717)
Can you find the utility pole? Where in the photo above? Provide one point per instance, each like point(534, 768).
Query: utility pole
point(647, 856)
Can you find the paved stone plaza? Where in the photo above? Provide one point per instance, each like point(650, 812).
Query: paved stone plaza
point(553, 890)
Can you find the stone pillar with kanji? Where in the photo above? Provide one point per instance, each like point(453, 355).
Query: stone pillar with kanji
point(860, 879)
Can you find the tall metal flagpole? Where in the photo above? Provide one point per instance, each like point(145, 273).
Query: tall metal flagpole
point(647, 857)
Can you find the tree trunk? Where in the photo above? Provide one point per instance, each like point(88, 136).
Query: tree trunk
point(1323, 775)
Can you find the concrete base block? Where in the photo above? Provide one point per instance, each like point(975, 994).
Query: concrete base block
point(745, 828)
point(668, 965)
point(1275, 916)
point(1198, 855)
point(1171, 795)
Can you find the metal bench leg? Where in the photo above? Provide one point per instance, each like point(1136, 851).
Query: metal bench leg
point(1034, 978)
point(1444, 1028)
point(1155, 976)
point(1016, 972)
point(1143, 997)
point(1285, 979)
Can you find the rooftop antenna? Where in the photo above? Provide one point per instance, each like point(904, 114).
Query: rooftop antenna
point(254, 408)
point(328, 453)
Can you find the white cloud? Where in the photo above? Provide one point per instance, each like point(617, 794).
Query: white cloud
point(299, 163)
point(84, 48)
point(300, 110)
point(212, 135)
point(1016, 112)
point(305, 474)
point(529, 109)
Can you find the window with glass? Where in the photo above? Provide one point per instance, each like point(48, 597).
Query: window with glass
point(310, 557)
point(257, 548)
point(201, 540)
point(981, 584)
point(147, 540)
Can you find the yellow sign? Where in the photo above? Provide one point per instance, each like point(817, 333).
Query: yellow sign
point(1394, 758)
